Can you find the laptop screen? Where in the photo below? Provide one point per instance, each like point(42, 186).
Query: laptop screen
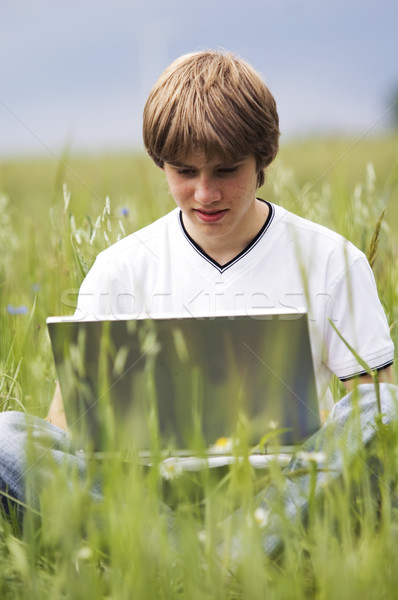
point(184, 384)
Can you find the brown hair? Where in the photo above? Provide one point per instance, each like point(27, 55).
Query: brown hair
point(215, 104)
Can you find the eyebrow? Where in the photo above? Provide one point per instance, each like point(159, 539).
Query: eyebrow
point(180, 165)
point(175, 163)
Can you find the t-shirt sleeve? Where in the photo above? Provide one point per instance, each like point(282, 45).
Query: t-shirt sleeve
point(356, 311)
point(92, 294)
point(102, 294)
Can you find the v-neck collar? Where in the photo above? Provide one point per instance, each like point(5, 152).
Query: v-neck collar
point(244, 252)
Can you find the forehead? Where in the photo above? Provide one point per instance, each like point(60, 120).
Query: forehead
point(201, 161)
point(188, 149)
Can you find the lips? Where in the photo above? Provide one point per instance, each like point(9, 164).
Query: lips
point(210, 217)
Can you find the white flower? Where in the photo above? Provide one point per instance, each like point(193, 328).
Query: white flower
point(273, 425)
point(84, 553)
point(222, 445)
point(171, 468)
point(311, 457)
point(202, 536)
point(260, 517)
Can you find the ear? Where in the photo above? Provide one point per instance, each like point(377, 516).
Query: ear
point(260, 178)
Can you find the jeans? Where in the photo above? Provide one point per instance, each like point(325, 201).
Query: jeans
point(29, 447)
point(349, 429)
point(347, 435)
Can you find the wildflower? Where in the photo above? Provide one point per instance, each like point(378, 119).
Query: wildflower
point(124, 211)
point(35, 287)
point(222, 445)
point(311, 457)
point(171, 468)
point(273, 425)
point(17, 310)
point(260, 517)
point(84, 553)
point(202, 536)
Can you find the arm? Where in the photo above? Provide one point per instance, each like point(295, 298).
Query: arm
point(56, 413)
point(386, 375)
point(362, 328)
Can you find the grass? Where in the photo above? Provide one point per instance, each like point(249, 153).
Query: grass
point(54, 218)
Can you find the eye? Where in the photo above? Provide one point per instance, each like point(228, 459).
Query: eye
point(227, 170)
point(186, 171)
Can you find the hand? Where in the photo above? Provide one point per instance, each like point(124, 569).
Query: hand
point(56, 414)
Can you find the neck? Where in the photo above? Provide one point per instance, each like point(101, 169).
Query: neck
point(224, 248)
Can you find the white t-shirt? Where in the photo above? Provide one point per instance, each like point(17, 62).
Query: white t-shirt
point(292, 263)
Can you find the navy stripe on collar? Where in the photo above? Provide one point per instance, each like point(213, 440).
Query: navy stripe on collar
point(249, 247)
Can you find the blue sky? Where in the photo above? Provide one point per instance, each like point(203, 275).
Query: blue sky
point(77, 72)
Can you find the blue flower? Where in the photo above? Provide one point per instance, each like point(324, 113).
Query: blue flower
point(17, 310)
point(35, 287)
point(124, 211)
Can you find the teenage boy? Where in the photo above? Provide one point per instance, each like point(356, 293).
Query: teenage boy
point(211, 125)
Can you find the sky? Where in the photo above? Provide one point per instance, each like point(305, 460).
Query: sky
point(76, 73)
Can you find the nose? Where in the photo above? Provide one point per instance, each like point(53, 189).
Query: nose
point(207, 191)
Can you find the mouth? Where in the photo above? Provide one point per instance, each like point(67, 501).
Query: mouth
point(210, 216)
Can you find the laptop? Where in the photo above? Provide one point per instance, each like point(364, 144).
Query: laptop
point(187, 387)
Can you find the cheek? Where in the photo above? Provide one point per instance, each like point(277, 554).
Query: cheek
point(178, 190)
point(240, 189)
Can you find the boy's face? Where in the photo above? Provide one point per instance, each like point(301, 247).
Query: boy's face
point(218, 202)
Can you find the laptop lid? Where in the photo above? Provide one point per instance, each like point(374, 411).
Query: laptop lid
point(181, 384)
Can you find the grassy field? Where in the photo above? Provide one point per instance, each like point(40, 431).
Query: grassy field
point(55, 215)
